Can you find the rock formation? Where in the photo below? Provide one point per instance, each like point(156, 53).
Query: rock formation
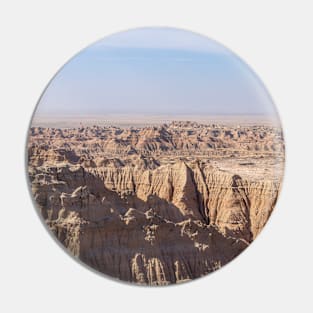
point(156, 205)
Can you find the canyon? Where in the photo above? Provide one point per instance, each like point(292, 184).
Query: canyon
point(159, 204)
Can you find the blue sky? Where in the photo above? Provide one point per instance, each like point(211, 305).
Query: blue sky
point(155, 71)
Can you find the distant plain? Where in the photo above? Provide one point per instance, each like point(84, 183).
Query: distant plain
point(132, 120)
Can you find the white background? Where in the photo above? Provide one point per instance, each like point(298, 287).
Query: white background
point(275, 38)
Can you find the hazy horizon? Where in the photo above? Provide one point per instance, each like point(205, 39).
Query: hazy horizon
point(155, 71)
point(126, 120)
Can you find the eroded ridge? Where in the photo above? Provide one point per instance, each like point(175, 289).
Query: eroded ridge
point(156, 205)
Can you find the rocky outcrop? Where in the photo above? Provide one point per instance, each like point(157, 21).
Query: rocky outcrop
point(157, 210)
point(145, 240)
point(175, 138)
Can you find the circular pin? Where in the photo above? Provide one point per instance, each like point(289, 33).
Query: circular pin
point(155, 156)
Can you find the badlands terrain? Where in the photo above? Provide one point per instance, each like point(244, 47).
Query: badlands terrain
point(157, 204)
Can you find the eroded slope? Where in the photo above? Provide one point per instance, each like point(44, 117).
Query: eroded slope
point(156, 205)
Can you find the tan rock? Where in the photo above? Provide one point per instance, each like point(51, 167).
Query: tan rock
point(156, 205)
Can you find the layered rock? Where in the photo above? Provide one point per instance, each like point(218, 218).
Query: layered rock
point(148, 206)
